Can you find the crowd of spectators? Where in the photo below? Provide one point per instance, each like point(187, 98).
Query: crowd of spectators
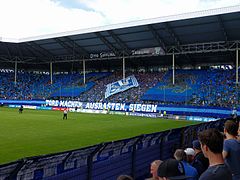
point(212, 87)
point(145, 81)
point(30, 85)
point(218, 88)
point(214, 155)
point(26, 86)
point(204, 87)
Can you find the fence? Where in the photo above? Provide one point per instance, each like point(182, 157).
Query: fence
point(107, 160)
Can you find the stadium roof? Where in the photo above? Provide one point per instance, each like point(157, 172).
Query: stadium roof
point(198, 37)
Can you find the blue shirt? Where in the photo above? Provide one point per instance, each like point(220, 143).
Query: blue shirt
point(190, 171)
point(232, 147)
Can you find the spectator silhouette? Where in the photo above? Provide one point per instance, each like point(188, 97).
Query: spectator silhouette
point(200, 162)
point(211, 141)
point(190, 171)
point(171, 169)
point(124, 177)
point(190, 154)
point(153, 169)
point(231, 148)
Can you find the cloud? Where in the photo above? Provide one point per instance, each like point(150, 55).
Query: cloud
point(25, 18)
point(207, 4)
point(124, 10)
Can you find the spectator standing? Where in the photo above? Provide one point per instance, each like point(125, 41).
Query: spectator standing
point(171, 169)
point(190, 154)
point(211, 141)
point(190, 171)
point(200, 162)
point(231, 148)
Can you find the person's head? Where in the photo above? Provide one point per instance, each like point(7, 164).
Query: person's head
point(211, 141)
point(124, 177)
point(196, 146)
point(154, 167)
point(190, 154)
point(180, 155)
point(171, 169)
point(231, 128)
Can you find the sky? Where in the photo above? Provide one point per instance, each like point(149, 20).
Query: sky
point(28, 18)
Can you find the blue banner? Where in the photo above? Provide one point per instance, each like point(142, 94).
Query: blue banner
point(205, 119)
point(121, 85)
point(217, 112)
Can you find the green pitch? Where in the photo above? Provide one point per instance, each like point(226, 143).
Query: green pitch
point(42, 132)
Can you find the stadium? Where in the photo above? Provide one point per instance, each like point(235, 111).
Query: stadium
point(133, 93)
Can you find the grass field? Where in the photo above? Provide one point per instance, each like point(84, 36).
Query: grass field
point(42, 132)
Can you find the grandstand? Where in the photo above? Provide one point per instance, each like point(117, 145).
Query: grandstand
point(213, 87)
point(186, 65)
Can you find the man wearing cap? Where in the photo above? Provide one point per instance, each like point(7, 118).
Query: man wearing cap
point(211, 141)
point(171, 169)
point(190, 171)
point(199, 162)
point(190, 154)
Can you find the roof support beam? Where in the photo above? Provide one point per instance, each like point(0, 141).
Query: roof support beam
point(41, 49)
point(7, 49)
point(6, 59)
point(29, 50)
point(223, 29)
point(34, 50)
point(80, 48)
point(123, 45)
point(107, 43)
point(157, 37)
point(12, 59)
point(172, 34)
point(35, 56)
point(221, 46)
point(65, 46)
point(25, 60)
point(175, 38)
point(188, 49)
point(19, 51)
point(29, 60)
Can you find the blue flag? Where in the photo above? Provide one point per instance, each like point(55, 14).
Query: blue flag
point(121, 85)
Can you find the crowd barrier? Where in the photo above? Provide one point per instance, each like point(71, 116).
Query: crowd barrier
point(107, 160)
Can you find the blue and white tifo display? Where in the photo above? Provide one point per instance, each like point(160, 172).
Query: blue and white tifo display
point(121, 85)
